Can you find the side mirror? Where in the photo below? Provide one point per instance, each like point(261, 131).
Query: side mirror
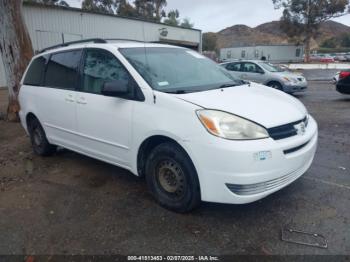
point(116, 88)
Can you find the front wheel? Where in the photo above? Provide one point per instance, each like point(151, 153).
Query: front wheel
point(172, 178)
point(275, 85)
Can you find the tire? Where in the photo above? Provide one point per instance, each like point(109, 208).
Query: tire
point(172, 178)
point(40, 144)
point(275, 85)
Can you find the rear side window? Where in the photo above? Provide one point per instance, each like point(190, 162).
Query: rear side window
point(62, 70)
point(36, 70)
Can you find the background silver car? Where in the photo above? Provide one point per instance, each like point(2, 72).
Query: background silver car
point(267, 74)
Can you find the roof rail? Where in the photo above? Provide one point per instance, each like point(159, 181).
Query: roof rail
point(124, 39)
point(90, 40)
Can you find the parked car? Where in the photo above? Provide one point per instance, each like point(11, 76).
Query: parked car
point(267, 74)
point(340, 58)
point(327, 59)
point(347, 57)
point(169, 114)
point(322, 58)
point(343, 84)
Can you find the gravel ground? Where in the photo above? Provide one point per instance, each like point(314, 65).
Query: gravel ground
point(72, 204)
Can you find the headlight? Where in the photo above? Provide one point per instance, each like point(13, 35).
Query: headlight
point(229, 126)
point(290, 80)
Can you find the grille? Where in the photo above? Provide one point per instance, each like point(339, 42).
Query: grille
point(252, 189)
point(285, 131)
point(294, 149)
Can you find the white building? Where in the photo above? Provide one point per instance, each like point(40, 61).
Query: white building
point(280, 53)
point(51, 25)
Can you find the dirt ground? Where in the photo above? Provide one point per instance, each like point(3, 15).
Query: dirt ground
point(72, 204)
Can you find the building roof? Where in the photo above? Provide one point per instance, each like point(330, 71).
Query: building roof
point(74, 9)
point(261, 45)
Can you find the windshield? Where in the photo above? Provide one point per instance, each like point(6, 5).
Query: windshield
point(178, 70)
point(271, 68)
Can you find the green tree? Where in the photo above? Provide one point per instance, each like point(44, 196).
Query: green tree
point(301, 18)
point(330, 43)
point(126, 9)
point(49, 2)
point(187, 23)
point(159, 9)
point(145, 9)
point(345, 41)
point(103, 6)
point(209, 42)
point(172, 19)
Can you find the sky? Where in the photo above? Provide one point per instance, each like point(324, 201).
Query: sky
point(215, 15)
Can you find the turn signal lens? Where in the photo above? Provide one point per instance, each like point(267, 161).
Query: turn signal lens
point(209, 124)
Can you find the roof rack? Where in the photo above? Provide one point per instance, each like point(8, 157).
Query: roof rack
point(90, 40)
point(124, 39)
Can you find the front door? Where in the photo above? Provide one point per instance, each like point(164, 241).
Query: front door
point(252, 72)
point(104, 123)
point(234, 69)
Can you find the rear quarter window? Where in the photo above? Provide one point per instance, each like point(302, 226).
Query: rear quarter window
point(36, 70)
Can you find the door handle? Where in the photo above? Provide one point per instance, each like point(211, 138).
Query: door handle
point(82, 101)
point(70, 98)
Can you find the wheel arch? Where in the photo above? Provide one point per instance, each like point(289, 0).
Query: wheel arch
point(273, 81)
point(148, 145)
point(29, 117)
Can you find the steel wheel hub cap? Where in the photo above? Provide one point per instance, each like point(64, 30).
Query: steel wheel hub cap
point(171, 177)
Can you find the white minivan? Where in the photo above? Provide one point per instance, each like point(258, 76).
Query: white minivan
point(169, 114)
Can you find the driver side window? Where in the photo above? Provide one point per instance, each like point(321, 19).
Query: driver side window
point(101, 66)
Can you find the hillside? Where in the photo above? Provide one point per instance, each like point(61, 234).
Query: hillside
point(270, 33)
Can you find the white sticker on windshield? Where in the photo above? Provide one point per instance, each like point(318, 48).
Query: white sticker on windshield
point(164, 83)
point(195, 54)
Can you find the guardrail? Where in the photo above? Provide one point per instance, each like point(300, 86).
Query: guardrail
point(337, 66)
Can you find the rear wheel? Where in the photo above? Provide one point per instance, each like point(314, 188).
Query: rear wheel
point(275, 85)
point(40, 144)
point(172, 178)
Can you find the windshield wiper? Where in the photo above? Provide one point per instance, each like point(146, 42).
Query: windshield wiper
point(178, 92)
point(226, 86)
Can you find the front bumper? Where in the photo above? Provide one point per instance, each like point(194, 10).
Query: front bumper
point(291, 88)
point(238, 172)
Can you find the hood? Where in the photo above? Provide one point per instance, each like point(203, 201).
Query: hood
point(289, 74)
point(258, 103)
